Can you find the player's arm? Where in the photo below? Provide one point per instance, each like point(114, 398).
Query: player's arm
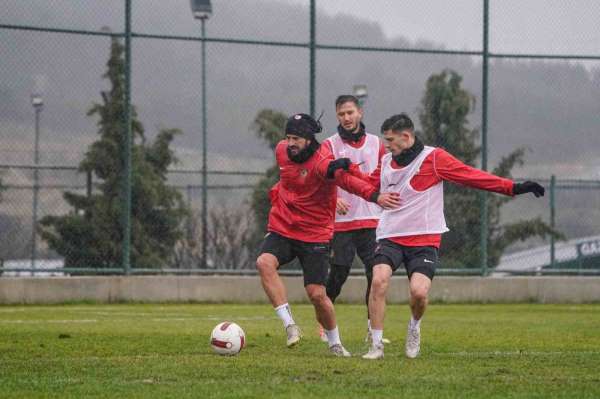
point(338, 171)
point(446, 167)
point(372, 178)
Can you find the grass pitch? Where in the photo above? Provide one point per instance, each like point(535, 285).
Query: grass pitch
point(162, 351)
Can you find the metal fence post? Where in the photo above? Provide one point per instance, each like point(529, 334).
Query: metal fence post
point(126, 204)
point(313, 72)
point(36, 188)
point(552, 219)
point(483, 209)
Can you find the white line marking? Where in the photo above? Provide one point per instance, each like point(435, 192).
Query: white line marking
point(156, 319)
point(516, 353)
point(107, 313)
point(47, 321)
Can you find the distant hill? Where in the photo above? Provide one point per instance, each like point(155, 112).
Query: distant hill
point(550, 107)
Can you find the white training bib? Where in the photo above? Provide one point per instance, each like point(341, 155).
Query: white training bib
point(420, 212)
point(367, 156)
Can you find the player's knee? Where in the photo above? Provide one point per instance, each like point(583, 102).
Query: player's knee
point(379, 284)
point(265, 265)
point(419, 293)
point(317, 297)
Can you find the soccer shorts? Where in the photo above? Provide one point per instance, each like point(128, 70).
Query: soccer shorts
point(347, 244)
point(313, 257)
point(423, 260)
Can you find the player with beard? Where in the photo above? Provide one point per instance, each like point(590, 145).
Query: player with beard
point(301, 220)
point(355, 219)
point(411, 233)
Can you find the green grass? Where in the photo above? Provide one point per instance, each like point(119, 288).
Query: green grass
point(162, 351)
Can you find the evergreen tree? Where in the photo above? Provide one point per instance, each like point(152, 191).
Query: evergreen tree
point(444, 119)
point(91, 235)
point(269, 126)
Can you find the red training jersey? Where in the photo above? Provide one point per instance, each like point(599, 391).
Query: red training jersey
point(303, 201)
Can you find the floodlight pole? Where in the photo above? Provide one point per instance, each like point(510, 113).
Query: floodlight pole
point(38, 106)
point(202, 10)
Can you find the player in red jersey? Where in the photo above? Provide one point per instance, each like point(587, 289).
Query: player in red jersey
point(301, 220)
point(411, 233)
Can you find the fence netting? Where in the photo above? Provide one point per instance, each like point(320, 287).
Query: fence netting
point(62, 82)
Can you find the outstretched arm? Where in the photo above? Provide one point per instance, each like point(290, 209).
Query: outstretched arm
point(449, 168)
point(345, 175)
point(446, 167)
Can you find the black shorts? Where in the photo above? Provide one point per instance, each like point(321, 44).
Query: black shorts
point(312, 256)
point(347, 244)
point(416, 259)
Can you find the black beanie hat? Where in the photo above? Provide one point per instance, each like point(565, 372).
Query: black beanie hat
point(303, 125)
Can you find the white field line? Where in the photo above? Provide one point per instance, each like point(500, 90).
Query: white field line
point(47, 321)
point(108, 313)
point(514, 353)
point(217, 318)
point(156, 319)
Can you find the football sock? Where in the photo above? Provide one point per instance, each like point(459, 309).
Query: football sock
point(377, 336)
point(333, 337)
point(368, 324)
point(414, 323)
point(285, 314)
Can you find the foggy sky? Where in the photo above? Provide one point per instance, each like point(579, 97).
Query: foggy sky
point(549, 107)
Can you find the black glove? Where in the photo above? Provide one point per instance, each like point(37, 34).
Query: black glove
point(528, 187)
point(342, 163)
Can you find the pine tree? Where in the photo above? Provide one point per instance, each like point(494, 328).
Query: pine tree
point(91, 235)
point(269, 126)
point(444, 112)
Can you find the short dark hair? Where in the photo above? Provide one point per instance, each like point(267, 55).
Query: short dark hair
point(346, 98)
point(398, 123)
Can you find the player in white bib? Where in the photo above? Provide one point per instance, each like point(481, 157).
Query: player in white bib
point(411, 233)
point(355, 219)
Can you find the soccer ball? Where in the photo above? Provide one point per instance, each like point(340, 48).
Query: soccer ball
point(227, 339)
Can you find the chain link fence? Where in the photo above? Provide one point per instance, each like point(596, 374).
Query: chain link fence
point(541, 95)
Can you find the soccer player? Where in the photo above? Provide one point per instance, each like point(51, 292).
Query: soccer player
point(301, 219)
point(411, 233)
point(355, 219)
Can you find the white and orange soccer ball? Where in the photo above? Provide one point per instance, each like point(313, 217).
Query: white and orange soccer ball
point(227, 339)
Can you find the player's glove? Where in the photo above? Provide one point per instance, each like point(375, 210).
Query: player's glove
point(341, 163)
point(528, 187)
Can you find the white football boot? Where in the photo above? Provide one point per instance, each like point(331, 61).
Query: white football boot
point(375, 352)
point(413, 341)
point(339, 351)
point(293, 335)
